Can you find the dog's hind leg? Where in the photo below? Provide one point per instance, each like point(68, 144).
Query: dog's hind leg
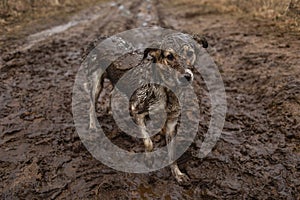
point(96, 88)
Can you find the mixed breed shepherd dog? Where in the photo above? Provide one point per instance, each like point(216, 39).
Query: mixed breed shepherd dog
point(152, 98)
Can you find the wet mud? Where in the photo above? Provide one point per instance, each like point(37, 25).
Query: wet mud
point(256, 157)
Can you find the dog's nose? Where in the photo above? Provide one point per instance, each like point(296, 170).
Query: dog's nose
point(188, 77)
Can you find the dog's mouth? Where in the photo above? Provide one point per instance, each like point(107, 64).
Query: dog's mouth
point(173, 78)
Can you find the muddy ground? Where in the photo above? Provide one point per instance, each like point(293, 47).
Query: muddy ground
point(257, 156)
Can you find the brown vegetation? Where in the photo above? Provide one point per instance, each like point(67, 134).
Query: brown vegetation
point(285, 12)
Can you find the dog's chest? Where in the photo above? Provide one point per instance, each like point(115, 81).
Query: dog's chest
point(152, 96)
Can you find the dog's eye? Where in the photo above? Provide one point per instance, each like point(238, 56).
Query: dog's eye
point(190, 53)
point(170, 57)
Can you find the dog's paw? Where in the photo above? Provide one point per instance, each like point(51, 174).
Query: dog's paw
point(149, 160)
point(92, 127)
point(182, 179)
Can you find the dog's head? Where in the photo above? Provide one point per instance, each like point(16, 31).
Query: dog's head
point(174, 58)
point(188, 46)
point(170, 67)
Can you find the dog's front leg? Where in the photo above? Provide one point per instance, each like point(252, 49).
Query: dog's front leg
point(140, 118)
point(170, 135)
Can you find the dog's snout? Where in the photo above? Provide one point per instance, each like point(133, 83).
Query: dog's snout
point(188, 77)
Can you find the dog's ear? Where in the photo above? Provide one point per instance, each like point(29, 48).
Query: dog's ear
point(201, 40)
point(155, 53)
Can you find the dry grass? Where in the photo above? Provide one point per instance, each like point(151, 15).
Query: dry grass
point(285, 12)
point(267, 8)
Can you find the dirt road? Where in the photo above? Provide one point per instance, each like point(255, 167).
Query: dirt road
point(257, 157)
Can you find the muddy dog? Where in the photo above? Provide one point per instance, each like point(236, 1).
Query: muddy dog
point(152, 98)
